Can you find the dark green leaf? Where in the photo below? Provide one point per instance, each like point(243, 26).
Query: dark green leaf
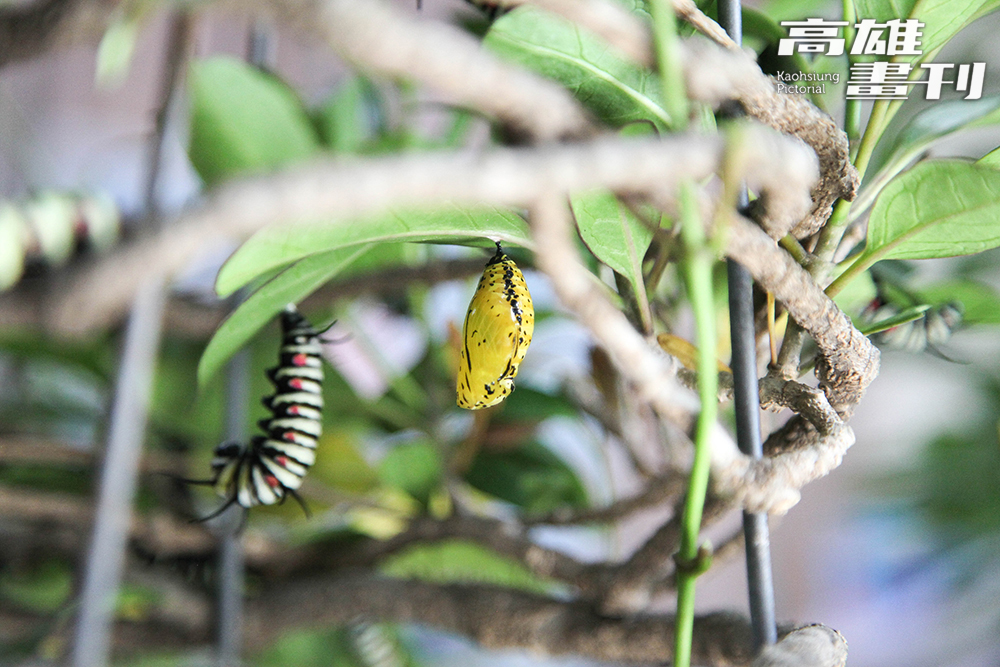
point(43, 588)
point(346, 120)
point(531, 477)
point(243, 120)
point(615, 89)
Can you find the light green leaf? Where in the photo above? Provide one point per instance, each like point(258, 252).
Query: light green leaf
point(940, 208)
point(921, 132)
point(114, 54)
point(453, 561)
point(991, 159)
point(615, 89)
point(857, 294)
point(883, 10)
point(279, 246)
point(943, 19)
point(290, 286)
point(980, 302)
point(908, 315)
point(243, 120)
point(615, 236)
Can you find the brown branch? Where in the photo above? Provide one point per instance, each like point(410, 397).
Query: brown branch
point(717, 76)
point(809, 646)
point(336, 190)
point(496, 618)
point(808, 447)
point(658, 490)
point(849, 362)
point(628, 587)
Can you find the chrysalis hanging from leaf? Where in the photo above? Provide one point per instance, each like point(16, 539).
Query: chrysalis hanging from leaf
point(496, 334)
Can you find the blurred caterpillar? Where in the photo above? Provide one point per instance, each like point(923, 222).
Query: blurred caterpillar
point(496, 335)
point(914, 329)
point(47, 229)
point(272, 466)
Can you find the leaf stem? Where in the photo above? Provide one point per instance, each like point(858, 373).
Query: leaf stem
point(861, 264)
point(690, 560)
point(852, 108)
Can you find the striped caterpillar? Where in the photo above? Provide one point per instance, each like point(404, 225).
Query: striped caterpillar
point(271, 467)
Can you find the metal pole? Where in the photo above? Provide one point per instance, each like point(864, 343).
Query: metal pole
point(231, 570)
point(118, 477)
point(747, 402)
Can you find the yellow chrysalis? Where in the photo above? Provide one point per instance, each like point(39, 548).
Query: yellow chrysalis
point(496, 334)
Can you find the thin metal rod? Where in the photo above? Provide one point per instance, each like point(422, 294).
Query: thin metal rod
point(747, 403)
point(231, 570)
point(118, 477)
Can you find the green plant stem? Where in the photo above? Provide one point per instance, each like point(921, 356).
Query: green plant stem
point(852, 108)
point(860, 265)
point(698, 273)
point(833, 232)
point(669, 63)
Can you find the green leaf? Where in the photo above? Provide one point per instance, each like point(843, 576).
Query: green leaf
point(243, 120)
point(991, 159)
point(114, 54)
point(980, 302)
point(615, 236)
point(341, 465)
point(290, 286)
point(615, 89)
point(943, 19)
point(43, 588)
point(279, 246)
point(531, 477)
point(883, 10)
point(940, 208)
point(413, 467)
point(344, 120)
point(452, 561)
point(908, 315)
point(328, 647)
point(920, 133)
point(857, 294)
